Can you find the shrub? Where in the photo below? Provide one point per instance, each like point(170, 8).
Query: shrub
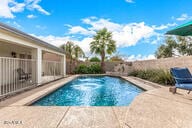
point(155, 75)
point(95, 59)
point(81, 69)
point(92, 69)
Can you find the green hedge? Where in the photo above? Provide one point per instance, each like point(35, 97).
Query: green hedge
point(95, 59)
point(84, 69)
point(155, 75)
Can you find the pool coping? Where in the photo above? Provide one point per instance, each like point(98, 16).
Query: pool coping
point(38, 95)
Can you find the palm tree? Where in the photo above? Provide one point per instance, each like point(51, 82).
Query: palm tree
point(168, 49)
point(103, 44)
point(72, 52)
point(68, 48)
point(78, 52)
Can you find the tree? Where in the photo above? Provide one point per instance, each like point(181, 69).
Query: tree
point(116, 59)
point(180, 45)
point(103, 44)
point(72, 52)
point(78, 52)
point(184, 45)
point(167, 49)
point(95, 59)
point(68, 48)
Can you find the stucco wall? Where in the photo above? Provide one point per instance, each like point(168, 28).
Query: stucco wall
point(73, 65)
point(109, 66)
point(166, 63)
point(127, 67)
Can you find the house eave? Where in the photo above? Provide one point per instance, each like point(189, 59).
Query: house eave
point(29, 37)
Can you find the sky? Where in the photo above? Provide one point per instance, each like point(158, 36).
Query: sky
point(138, 26)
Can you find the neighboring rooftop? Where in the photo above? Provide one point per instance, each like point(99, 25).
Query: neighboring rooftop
point(27, 36)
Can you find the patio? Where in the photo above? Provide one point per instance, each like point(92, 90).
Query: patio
point(20, 72)
point(26, 61)
point(156, 107)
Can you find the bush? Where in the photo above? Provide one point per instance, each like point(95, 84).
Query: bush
point(81, 69)
point(155, 75)
point(95, 59)
point(92, 69)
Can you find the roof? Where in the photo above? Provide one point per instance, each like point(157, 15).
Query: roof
point(182, 30)
point(27, 36)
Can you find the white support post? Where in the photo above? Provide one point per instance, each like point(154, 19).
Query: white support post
point(39, 66)
point(34, 66)
point(64, 64)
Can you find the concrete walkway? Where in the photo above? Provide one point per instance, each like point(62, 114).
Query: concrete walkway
point(156, 108)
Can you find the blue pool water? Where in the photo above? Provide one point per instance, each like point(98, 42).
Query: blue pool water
point(92, 91)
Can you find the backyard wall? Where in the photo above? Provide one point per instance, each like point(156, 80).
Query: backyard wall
point(109, 66)
point(166, 63)
point(127, 67)
point(73, 65)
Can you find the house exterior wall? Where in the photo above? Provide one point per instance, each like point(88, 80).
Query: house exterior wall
point(12, 42)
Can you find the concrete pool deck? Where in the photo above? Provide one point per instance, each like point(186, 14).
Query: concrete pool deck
point(155, 108)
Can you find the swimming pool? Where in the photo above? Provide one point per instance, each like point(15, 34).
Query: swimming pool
point(92, 91)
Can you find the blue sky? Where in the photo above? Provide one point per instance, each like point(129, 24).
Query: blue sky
point(138, 26)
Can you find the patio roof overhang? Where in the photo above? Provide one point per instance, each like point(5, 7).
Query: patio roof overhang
point(29, 37)
point(182, 30)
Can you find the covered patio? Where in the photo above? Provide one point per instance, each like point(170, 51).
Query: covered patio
point(26, 61)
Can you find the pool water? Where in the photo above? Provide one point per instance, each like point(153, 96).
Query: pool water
point(92, 91)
